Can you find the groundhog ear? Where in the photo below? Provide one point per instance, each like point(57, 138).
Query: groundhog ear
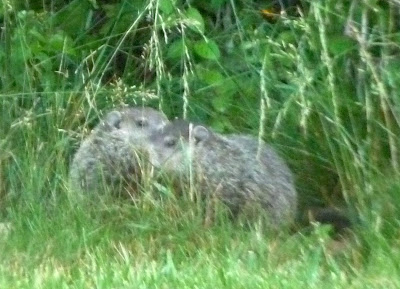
point(200, 133)
point(113, 118)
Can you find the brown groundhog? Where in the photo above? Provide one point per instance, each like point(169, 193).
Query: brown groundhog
point(226, 167)
point(109, 158)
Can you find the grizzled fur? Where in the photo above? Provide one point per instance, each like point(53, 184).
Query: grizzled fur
point(228, 168)
point(275, 165)
point(108, 158)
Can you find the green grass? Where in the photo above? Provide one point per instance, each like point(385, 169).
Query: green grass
point(62, 243)
point(326, 100)
point(58, 239)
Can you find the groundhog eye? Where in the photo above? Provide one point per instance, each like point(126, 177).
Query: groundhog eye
point(141, 122)
point(170, 142)
point(117, 124)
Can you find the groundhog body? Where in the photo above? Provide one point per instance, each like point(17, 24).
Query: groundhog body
point(109, 158)
point(228, 168)
point(265, 154)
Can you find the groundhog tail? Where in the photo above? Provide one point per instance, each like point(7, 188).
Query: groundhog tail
point(330, 216)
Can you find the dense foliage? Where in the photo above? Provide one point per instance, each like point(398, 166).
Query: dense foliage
point(317, 79)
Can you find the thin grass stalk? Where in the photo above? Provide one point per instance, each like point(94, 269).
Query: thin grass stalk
point(187, 71)
point(6, 75)
point(90, 88)
point(338, 151)
point(186, 89)
point(155, 46)
point(120, 42)
point(265, 104)
point(366, 91)
point(326, 59)
point(238, 25)
point(99, 66)
point(389, 28)
point(384, 100)
point(305, 78)
point(365, 94)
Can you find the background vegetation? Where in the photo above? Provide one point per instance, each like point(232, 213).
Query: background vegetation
point(318, 79)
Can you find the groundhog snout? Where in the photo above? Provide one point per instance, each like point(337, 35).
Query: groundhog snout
point(153, 157)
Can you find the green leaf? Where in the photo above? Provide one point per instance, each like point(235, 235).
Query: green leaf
point(224, 95)
point(287, 37)
point(207, 49)
point(167, 6)
point(223, 88)
point(176, 49)
point(60, 43)
point(222, 102)
point(217, 4)
point(73, 17)
point(194, 20)
point(94, 4)
point(210, 76)
point(339, 44)
point(56, 42)
point(221, 124)
point(37, 35)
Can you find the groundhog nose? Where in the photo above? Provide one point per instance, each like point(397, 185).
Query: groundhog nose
point(152, 155)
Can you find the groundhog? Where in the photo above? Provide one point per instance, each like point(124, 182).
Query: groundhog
point(226, 167)
point(265, 154)
point(110, 157)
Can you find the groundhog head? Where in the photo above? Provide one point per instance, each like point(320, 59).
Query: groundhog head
point(173, 147)
point(134, 124)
